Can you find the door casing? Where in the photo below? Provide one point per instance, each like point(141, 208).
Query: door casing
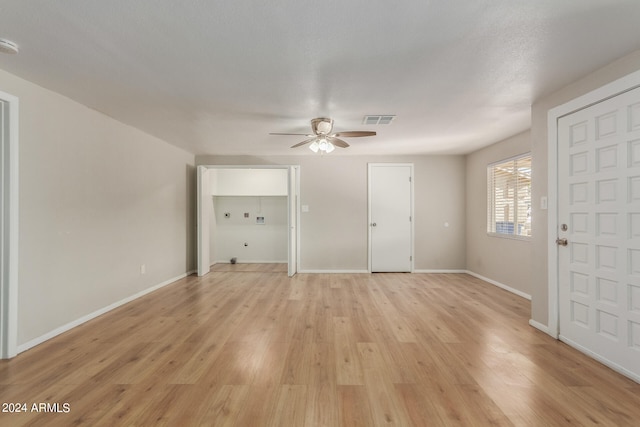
point(9, 222)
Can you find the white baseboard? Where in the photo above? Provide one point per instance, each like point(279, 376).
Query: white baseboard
point(244, 261)
point(500, 285)
point(64, 328)
point(441, 271)
point(634, 376)
point(367, 271)
point(333, 271)
point(543, 328)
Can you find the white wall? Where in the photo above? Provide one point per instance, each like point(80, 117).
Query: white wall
point(333, 234)
point(97, 200)
point(249, 182)
point(265, 242)
point(540, 108)
point(503, 260)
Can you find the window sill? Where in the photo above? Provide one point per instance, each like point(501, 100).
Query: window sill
point(509, 236)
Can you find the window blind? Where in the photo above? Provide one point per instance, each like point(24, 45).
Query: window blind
point(509, 197)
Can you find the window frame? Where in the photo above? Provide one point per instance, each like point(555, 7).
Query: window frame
point(491, 202)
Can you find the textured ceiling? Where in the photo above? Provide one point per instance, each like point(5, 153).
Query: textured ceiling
point(217, 77)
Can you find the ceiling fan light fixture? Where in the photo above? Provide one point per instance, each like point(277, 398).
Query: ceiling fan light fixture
point(326, 146)
point(322, 145)
point(330, 147)
point(321, 126)
point(325, 127)
point(7, 46)
point(323, 139)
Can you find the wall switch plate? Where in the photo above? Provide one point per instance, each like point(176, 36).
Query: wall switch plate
point(305, 208)
point(543, 202)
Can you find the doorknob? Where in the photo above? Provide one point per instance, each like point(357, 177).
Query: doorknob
point(561, 242)
point(373, 224)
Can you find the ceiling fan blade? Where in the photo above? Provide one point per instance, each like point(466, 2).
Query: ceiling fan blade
point(277, 133)
point(304, 142)
point(337, 142)
point(355, 133)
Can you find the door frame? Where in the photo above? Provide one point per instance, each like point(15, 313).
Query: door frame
point(203, 209)
point(370, 166)
point(610, 90)
point(9, 216)
point(293, 202)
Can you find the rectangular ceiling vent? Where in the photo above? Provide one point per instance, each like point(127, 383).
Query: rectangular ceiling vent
point(378, 119)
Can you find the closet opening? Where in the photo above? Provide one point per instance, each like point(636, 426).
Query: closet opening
point(247, 218)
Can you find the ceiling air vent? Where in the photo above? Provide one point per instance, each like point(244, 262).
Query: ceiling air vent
point(378, 119)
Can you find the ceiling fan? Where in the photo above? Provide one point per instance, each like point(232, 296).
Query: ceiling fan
point(322, 139)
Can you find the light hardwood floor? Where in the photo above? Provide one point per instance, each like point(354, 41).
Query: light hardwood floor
point(255, 348)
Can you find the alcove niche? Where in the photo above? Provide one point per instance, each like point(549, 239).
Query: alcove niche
point(249, 219)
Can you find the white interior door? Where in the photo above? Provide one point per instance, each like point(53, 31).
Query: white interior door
point(599, 216)
point(390, 217)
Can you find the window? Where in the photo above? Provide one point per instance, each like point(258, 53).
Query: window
point(509, 197)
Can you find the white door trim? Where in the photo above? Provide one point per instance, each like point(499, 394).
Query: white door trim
point(610, 90)
point(369, 219)
point(203, 210)
point(293, 202)
point(9, 220)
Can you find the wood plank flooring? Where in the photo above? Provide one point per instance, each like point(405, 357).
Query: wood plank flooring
point(256, 348)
